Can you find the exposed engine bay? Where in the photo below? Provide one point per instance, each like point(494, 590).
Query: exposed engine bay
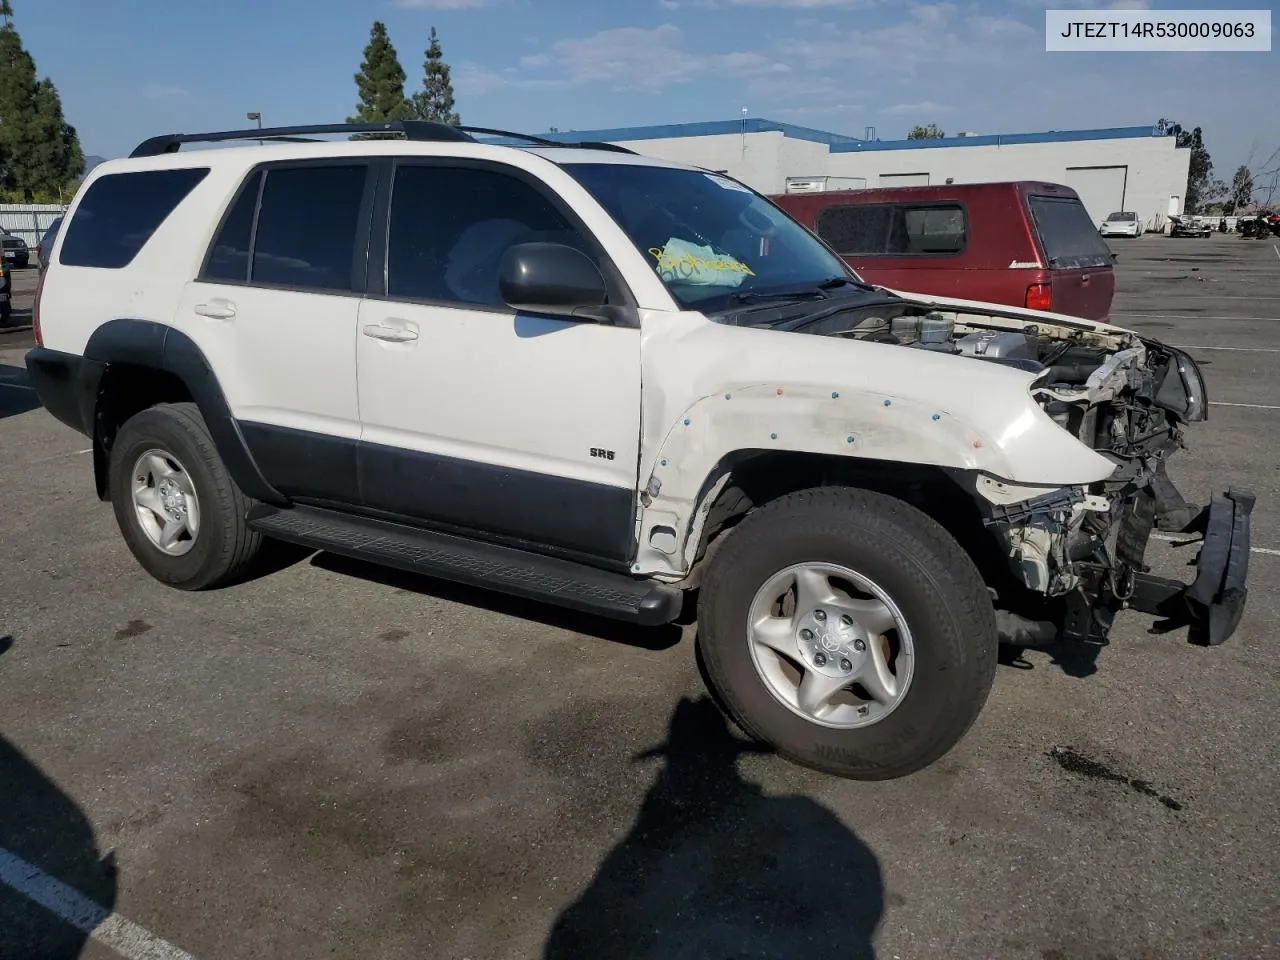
point(1074, 555)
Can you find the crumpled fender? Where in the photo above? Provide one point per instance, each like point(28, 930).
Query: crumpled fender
point(827, 396)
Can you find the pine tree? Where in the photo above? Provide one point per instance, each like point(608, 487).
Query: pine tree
point(40, 150)
point(381, 82)
point(435, 100)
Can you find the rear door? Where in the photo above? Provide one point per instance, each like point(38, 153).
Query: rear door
point(1081, 271)
point(274, 311)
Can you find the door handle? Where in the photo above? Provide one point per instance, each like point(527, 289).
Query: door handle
point(380, 331)
point(217, 310)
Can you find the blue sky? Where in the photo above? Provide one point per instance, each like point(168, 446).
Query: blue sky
point(133, 68)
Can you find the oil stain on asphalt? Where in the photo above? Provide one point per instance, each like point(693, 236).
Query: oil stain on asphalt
point(1074, 762)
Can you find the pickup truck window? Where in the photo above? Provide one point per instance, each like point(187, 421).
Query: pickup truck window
point(894, 229)
point(712, 241)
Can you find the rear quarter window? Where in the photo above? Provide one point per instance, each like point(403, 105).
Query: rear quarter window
point(119, 213)
point(1067, 233)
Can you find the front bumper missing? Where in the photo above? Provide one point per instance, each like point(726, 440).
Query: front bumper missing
point(1212, 605)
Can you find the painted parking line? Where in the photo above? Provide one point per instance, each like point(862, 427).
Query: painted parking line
point(1277, 250)
point(1167, 538)
point(1187, 316)
point(1251, 406)
point(1201, 346)
point(108, 928)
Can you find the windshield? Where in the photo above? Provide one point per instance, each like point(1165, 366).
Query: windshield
point(713, 242)
point(1115, 217)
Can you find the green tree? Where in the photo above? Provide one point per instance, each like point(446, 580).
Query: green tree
point(40, 151)
point(1200, 171)
point(930, 132)
point(1242, 188)
point(435, 100)
point(381, 82)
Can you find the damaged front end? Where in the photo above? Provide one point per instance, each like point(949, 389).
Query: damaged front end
point(1076, 553)
point(1080, 552)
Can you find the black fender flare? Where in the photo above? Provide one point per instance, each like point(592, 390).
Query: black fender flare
point(146, 343)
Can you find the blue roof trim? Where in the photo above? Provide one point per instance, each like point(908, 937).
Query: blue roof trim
point(710, 128)
point(1001, 139)
point(838, 142)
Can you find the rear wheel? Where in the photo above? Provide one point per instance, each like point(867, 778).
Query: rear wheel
point(849, 631)
point(178, 509)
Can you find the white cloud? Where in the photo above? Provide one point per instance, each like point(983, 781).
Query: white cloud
point(923, 107)
point(785, 4)
point(627, 58)
point(439, 4)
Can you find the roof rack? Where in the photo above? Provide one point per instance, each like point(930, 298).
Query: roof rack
point(545, 142)
point(420, 130)
point(412, 130)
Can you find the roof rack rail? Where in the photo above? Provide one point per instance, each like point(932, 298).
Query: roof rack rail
point(544, 142)
point(412, 130)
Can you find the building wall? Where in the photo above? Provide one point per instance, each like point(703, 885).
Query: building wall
point(1154, 170)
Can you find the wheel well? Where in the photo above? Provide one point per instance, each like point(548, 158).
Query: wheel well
point(127, 389)
point(757, 479)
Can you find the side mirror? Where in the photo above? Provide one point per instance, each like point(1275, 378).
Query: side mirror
point(551, 278)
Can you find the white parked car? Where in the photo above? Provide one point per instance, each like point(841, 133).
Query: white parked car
point(1123, 223)
point(619, 384)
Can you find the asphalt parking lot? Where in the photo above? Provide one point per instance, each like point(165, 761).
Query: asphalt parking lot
point(338, 761)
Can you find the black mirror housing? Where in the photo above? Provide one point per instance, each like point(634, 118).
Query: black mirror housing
point(543, 277)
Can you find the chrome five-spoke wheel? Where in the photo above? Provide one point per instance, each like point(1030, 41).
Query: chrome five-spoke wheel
point(165, 502)
point(831, 645)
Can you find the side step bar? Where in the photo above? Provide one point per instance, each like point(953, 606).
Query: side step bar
point(490, 566)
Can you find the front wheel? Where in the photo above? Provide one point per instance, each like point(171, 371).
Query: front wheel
point(849, 631)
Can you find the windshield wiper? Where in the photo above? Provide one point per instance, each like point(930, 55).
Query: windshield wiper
point(751, 296)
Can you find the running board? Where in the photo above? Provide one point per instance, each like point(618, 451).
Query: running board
point(485, 565)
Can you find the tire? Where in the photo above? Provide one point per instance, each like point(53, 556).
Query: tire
point(223, 548)
point(923, 573)
point(6, 310)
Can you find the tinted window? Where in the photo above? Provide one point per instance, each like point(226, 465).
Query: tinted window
point(894, 229)
point(119, 213)
point(1067, 233)
point(853, 228)
point(450, 227)
point(229, 258)
point(713, 242)
point(307, 226)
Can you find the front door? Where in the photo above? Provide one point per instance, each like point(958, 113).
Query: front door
point(507, 425)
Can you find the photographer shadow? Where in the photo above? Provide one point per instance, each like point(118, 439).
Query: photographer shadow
point(714, 868)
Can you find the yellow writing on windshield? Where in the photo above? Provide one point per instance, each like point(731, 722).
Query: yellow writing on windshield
point(685, 266)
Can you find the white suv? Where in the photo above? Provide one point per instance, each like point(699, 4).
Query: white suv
point(612, 382)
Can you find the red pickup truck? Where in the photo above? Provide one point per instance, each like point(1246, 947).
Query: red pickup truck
point(1024, 243)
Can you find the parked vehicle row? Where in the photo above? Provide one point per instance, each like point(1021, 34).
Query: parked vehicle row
point(16, 252)
point(621, 385)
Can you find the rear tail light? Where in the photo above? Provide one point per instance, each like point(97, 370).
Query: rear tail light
point(35, 310)
point(1039, 297)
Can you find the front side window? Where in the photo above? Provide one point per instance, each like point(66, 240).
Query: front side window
point(119, 213)
point(450, 227)
point(711, 240)
point(308, 225)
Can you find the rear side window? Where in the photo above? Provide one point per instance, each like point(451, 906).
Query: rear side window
point(1067, 233)
point(229, 257)
point(119, 213)
point(894, 229)
point(308, 225)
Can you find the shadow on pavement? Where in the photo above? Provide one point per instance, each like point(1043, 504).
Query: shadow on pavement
point(648, 638)
point(1075, 659)
point(714, 868)
point(15, 396)
point(41, 825)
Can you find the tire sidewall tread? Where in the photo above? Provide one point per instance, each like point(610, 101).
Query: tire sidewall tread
point(925, 571)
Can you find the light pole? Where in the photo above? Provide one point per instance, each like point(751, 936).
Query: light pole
point(255, 115)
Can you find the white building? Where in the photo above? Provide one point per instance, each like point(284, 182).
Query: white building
point(1119, 168)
